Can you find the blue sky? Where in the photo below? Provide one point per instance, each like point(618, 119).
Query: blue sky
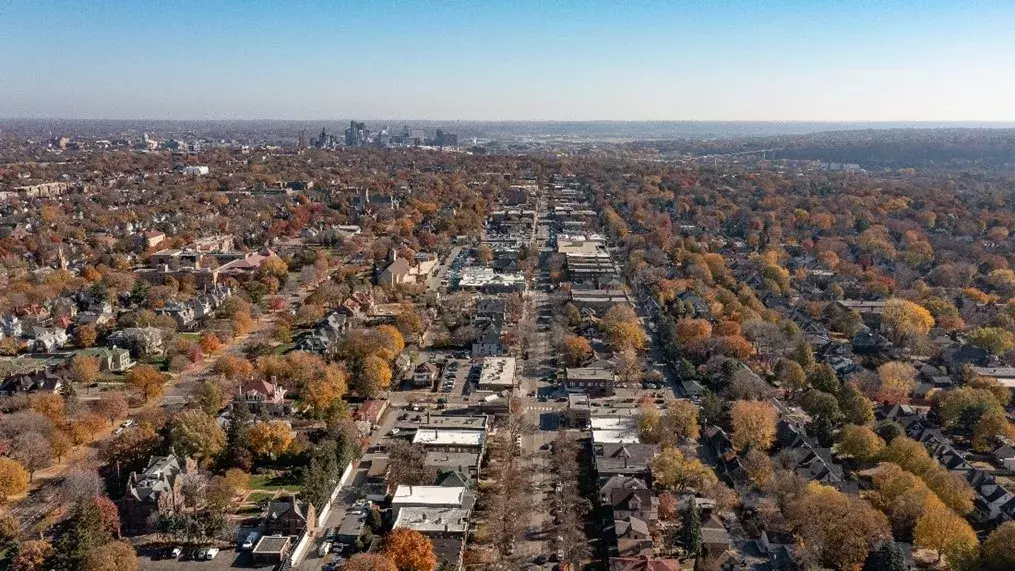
point(542, 60)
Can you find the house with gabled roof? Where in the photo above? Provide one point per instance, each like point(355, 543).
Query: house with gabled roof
point(155, 491)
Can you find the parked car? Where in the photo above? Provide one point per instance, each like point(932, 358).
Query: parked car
point(211, 553)
point(250, 541)
point(175, 552)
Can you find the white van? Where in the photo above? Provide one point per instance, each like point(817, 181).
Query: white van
point(324, 549)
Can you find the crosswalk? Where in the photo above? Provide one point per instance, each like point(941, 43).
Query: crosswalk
point(542, 408)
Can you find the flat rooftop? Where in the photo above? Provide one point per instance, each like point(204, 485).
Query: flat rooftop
point(439, 437)
point(433, 520)
point(428, 495)
point(272, 544)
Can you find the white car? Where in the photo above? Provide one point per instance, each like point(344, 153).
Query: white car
point(212, 552)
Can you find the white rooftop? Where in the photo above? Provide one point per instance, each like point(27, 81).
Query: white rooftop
point(439, 437)
point(615, 437)
point(427, 496)
point(422, 519)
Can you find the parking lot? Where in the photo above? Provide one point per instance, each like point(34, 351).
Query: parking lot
point(154, 560)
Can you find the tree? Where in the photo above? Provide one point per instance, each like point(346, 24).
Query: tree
point(209, 398)
point(753, 424)
point(896, 382)
point(79, 484)
point(855, 407)
point(803, 355)
point(888, 557)
point(906, 320)
point(671, 470)
point(321, 393)
point(821, 405)
point(839, 527)
point(85, 336)
point(374, 376)
point(14, 478)
point(269, 438)
point(132, 447)
point(390, 339)
point(859, 442)
point(622, 328)
point(147, 380)
point(237, 478)
point(209, 342)
point(758, 466)
point(691, 531)
point(409, 321)
point(85, 531)
point(369, 562)
point(196, 433)
point(49, 405)
point(10, 529)
point(113, 556)
point(32, 450)
point(233, 368)
point(410, 550)
point(112, 406)
point(219, 493)
point(576, 350)
point(995, 340)
point(824, 378)
point(692, 329)
point(407, 465)
point(999, 548)
point(790, 375)
point(84, 369)
point(947, 533)
point(32, 555)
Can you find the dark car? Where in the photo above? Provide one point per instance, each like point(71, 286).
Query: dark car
point(540, 559)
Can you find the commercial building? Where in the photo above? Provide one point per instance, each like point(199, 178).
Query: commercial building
point(595, 380)
point(497, 374)
point(428, 497)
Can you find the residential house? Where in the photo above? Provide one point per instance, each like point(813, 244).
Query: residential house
point(644, 563)
point(142, 341)
point(492, 310)
point(49, 340)
point(38, 381)
point(633, 537)
point(113, 359)
point(181, 312)
point(714, 538)
point(10, 326)
point(155, 491)
point(489, 344)
point(289, 516)
point(632, 459)
point(634, 502)
point(261, 392)
point(424, 374)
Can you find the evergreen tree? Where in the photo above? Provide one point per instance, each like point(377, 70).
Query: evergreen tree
point(237, 451)
point(692, 529)
point(887, 557)
point(83, 532)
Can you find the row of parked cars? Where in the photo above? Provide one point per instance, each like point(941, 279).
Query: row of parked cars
point(178, 552)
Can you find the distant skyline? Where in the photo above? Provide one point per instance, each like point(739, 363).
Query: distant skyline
point(889, 60)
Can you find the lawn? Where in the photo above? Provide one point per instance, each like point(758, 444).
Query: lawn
point(273, 482)
point(257, 497)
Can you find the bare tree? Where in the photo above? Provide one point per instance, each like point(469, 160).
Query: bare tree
point(32, 450)
point(79, 484)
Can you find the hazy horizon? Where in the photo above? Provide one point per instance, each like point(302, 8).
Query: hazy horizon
point(738, 61)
